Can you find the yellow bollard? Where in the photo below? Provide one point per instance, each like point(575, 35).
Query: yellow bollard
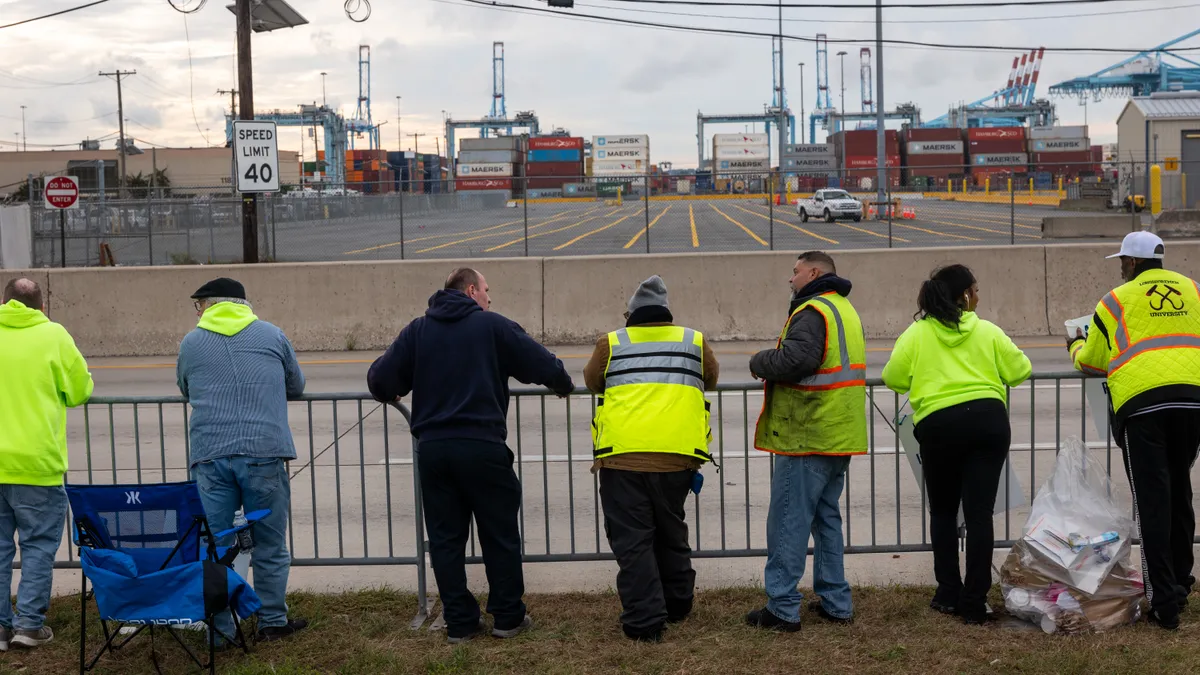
point(1183, 189)
point(1010, 186)
point(1030, 187)
point(949, 186)
point(1155, 189)
point(987, 185)
point(964, 186)
point(1060, 184)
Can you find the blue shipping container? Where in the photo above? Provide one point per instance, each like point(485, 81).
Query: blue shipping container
point(555, 155)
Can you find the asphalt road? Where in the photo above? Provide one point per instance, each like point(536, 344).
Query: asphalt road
point(583, 228)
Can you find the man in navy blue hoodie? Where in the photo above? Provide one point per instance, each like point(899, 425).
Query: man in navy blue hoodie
point(457, 360)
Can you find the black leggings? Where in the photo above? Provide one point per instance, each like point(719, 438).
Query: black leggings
point(963, 449)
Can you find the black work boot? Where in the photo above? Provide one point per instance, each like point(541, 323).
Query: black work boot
point(652, 634)
point(763, 618)
point(678, 610)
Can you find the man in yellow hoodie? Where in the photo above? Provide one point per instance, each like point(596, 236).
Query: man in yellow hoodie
point(43, 374)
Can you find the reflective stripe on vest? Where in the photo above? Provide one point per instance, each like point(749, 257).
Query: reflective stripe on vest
point(1114, 307)
point(1150, 344)
point(655, 362)
point(845, 374)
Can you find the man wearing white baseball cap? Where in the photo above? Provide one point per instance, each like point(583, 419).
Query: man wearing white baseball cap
point(1145, 338)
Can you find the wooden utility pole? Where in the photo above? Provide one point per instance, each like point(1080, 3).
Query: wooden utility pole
point(120, 126)
point(246, 92)
point(417, 142)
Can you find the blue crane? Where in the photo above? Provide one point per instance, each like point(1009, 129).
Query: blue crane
point(1012, 105)
point(1139, 75)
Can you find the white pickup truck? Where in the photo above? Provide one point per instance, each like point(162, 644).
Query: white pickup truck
point(830, 205)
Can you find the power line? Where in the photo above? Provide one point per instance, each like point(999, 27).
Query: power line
point(192, 78)
point(872, 7)
point(52, 121)
point(54, 14)
point(808, 20)
point(503, 6)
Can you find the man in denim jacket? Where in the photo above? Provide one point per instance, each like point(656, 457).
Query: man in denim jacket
point(238, 373)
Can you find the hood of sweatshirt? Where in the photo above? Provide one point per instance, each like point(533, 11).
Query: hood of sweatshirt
point(13, 314)
point(227, 318)
point(451, 306)
point(952, 336)
point(819, 286)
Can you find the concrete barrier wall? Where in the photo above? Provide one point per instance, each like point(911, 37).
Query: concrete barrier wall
point(1077, 276)
point(1027, 290)
point(744, 296)
point(1087, 227)
point(321, 306)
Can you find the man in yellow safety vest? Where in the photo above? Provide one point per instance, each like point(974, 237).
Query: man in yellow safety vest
point(813, 420)
point(1145, 338)
point(651, 437)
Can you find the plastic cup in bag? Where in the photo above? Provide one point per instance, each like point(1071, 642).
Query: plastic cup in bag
point(1080, 324)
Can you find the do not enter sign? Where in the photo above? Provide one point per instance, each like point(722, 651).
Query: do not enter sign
point(62, 192)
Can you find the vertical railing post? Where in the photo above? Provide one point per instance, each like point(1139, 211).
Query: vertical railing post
point(1012, 217)
point(771, 207)
point(646, 202)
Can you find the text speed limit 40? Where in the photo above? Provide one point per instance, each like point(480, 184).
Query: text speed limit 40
point(256, 156)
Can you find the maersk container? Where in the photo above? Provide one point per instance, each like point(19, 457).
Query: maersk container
point(1038, 133)
point(556, 156)
point(510, 143)
point(489, 157)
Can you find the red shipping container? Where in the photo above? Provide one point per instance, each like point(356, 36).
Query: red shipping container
point(996, 134)
point(952, 162)
point(995, 147)
point(485, 183)
point(932, 135)
point(862, 142)
point(1084, 157)
point(871, 162)
point(572, 169)
point(556, 143)
point(551, 183)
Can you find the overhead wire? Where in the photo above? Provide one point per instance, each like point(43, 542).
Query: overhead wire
point(810, 21)
point(893, 5)
point(53, 14)
point(192, 79)
point(504, 6)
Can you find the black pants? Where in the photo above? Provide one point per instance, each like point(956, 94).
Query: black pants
point(963, 449)
point(644, 520)
point(1159, 450)
point(461, 478)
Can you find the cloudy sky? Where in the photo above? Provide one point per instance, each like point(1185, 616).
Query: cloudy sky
point(589, 77)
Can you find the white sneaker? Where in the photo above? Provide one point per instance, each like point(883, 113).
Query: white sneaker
point(33, 638)
point(526, 624)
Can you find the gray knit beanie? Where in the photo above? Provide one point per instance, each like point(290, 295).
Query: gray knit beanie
point(652, 293)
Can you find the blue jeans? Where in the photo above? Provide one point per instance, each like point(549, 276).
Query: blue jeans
point(37, 513)
point(252, 483)
point(804, 501)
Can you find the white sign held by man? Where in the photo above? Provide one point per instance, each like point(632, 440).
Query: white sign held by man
point(256, 156)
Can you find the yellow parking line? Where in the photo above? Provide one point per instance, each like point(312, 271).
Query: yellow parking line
point(974, 227)
point(548, 221)
point(1000, 220)
point(602, 228)
point(640, 232)
point(542, 234)
point(692, 218)
point(873, 234)
point(799, 229)
point(744, 228)
point(940, 234)
point(432, 236)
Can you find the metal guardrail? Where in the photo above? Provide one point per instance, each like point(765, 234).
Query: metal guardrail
point(355, 504)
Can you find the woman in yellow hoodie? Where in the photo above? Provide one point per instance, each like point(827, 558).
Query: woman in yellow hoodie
point(955, 367)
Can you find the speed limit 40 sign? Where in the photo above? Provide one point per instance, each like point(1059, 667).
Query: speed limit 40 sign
point(256, 156)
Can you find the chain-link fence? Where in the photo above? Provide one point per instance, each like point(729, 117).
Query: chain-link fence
point(484, 216)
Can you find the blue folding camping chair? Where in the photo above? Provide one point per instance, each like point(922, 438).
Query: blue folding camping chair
point(154, 563)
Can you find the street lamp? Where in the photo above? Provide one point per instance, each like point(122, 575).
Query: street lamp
point(841, 125)
point(399, 138)
point(324, 100)
point(25, 138)
point(802, 113)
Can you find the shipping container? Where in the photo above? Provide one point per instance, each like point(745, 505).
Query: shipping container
point(807, 149)
point(556, 143)
point(871, 162)
point(996, 134)
point(740, 139)
point(544, 193)
point(950, 162)
point(1061, 145)
point(934, 148)
point(498, 170)
point(1004, 159)
point(615, 141)
point(862, 142)
point(721, 152)
point(510, 143)
point(1036, 133)
point(543, 182)
point(621, 154)
point(570, 169)
point(536, 156)
point(490, 157)
point(484, 184)
point(1084, 157)
point(919, 135)
point(996, 147)
point(602, 167)
point(820, 163)
point(579, 189)
point(744, 165)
